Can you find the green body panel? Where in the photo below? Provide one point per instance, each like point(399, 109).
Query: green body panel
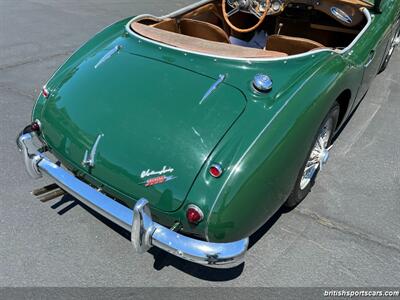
point(260, 140)
point(142, 127)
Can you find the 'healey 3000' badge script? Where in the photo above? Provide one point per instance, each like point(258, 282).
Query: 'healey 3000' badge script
point(161, 178)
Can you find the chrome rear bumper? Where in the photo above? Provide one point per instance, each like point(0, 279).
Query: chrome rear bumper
point(144, 232)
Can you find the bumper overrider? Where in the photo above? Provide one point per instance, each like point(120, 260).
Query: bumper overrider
point(145, 233)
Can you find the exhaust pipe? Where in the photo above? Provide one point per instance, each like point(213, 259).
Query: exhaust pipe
point(45, 189)
point(52, 195)
point(48, 192)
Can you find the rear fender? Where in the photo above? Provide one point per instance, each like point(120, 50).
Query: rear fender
point(262, 167)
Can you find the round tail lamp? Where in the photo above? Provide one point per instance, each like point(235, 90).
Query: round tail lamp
point(216, 170)
point(194, 214)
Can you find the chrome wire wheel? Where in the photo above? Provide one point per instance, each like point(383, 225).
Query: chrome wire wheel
point(395, 43)
point(316, 159)
point(319, 155)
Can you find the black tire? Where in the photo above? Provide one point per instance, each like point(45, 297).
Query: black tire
point(298, 194)
point(392, 48)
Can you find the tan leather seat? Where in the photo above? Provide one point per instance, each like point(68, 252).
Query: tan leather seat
point(194, 28)
point(200, 45)
point(291, 45)
point(203, 30)
point(168, 25)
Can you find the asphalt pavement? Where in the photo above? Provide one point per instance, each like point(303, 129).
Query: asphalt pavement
point(346, 233)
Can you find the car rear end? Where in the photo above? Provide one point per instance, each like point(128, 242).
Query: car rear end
point(130, 135)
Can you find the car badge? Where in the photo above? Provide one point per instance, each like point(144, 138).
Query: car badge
point(89, 159)
point(158, 177)
point(163, 171)
point(157, 180)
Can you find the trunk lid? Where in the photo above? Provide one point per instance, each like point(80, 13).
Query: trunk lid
point(150, 120)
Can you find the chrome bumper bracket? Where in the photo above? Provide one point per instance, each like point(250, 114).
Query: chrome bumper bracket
point(142, 226)
point(30, 154)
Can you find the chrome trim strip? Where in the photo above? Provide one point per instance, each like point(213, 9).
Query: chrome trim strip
point(191, 7)
point(215, 85)
point(187, 8)
point(341, 15)
point(89, 160)
point(369, 21)
point(108, 55)
point(144, 232)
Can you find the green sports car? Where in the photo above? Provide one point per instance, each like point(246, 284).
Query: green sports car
point(192, 129)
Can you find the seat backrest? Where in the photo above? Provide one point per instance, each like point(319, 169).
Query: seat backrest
point(291, 45)
point(168, 25)
point(208, 13)
point(203, 30)
point(200, 45)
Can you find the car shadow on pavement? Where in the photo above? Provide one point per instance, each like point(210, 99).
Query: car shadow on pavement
point(163, 259)
point(256, 236)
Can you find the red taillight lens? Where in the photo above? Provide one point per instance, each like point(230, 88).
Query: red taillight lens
point(45, 92)
point(216, 170)
point(194, 214)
